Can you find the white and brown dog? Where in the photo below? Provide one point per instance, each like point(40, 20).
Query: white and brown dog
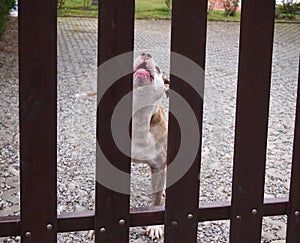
point(149, 128)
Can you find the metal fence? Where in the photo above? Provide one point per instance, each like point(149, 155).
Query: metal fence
point(39, 221)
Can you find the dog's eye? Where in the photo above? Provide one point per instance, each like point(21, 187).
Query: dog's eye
point(157, 69)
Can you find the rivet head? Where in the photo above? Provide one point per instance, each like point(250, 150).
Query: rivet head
point(254, 211)
point(174, 223)
point(121, 222)
point(28, 234)
point(238, 217)
point(297, 213)
point(102, 230)
point(49, 227)
point(190, 216)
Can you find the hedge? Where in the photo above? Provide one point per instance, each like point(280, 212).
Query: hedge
point(5, 7)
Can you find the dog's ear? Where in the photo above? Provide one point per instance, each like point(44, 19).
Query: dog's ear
point(166, 81)
point(167, 85)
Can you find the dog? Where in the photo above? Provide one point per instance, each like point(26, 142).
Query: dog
point(149, 127)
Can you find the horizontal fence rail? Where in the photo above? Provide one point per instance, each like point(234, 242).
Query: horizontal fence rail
point(39, 222)
point(67, 222)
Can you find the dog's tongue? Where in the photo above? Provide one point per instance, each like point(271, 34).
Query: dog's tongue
point(142, 74)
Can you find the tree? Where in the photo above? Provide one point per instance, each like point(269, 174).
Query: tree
point(94, 2)
point(230, 7)
point(168, 3)
point(5, 7)
point(289, 8)
point(86, 3)
point(60, 3)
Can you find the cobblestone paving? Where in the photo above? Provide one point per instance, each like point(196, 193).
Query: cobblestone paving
point(77, 40)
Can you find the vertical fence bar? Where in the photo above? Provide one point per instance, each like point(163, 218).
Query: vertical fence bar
point(255, 61)
point(293, 227)
point(116, 34)
point(188, 42)
point(38, 136)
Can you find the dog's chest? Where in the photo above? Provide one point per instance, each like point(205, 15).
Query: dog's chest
point(144, 144)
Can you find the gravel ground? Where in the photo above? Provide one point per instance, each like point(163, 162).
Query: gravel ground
point(76, 120)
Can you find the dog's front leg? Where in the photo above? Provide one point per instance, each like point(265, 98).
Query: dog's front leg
point(158, 177)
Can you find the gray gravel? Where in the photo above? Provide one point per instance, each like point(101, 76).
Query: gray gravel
point(76, 122)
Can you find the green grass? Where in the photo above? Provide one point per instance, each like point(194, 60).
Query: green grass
point(152, 9)
point(78, 4)
point(218, 15)
point(77, 8)
point(77, 12)
point(146, 9)
point(284, 18)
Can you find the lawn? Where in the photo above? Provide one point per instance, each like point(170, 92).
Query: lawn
point(147, 9)
point(77, 8)
point(144, 9)
point(64, 12)
point(218, 15)
point(152, 9)
point(79, 4)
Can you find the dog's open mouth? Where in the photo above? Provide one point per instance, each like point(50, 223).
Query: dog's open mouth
point(144, 74)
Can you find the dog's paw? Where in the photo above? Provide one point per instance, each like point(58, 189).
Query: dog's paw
point(155, 232)
point(91, 235)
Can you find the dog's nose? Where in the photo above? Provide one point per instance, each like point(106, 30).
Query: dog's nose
point(146, 56)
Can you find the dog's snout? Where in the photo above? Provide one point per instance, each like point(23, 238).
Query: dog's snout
point(143, 65)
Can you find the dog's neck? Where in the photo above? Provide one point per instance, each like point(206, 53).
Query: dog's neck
point(141, 121)
point(143, 141)
point(145, 104)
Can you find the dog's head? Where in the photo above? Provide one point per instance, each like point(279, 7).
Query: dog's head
point(146, 72)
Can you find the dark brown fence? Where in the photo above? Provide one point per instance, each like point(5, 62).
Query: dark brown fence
point(38, 114)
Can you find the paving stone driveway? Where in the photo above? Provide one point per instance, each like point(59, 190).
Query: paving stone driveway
point(219, 107)
point(77, 43)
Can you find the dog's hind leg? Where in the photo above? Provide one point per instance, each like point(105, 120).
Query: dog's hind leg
point(158, 177)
